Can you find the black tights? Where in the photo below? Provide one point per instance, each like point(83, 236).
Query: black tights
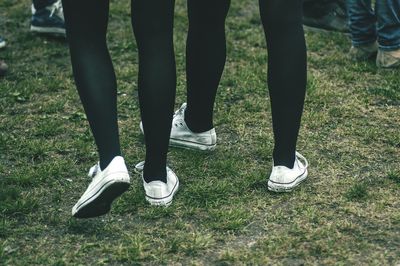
point(287, 67)
point(287, 73)
point(39, 4)
point(205, 60)
point(152, 22)
point(86, 24)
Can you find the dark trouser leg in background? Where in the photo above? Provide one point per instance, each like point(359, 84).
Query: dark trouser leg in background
point(39, 4)
point(205, 60)
point(287, 73)
point(152, 22)
point(86, 23)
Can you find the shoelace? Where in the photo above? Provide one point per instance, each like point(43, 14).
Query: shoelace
point(94, 170)
point(139, 167)
point(180, 111)
point(298, 155)
point(57, 9)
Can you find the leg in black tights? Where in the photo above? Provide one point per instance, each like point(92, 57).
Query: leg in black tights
point(152, 22)
point(86, 25)
point(205, 60)
point(287, 73)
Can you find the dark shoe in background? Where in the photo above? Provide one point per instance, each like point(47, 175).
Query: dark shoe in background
point(48, 20)
point(388, 59)
point(326, 16)
point(363, 52)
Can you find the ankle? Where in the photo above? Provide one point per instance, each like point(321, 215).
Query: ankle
point(152, 174)
point(284, 159)
point(197, 127)
point(196, 123)
point(106, 160)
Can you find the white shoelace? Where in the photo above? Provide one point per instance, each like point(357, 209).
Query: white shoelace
point(298, 155)
point(180, 111)
point(57, 9)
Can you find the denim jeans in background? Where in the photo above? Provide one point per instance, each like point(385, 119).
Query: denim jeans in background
point(381, 23)
point(39, 4)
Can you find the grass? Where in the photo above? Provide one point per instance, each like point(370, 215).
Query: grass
point(346, 213)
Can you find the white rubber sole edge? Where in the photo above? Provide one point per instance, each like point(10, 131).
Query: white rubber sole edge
point(186, 144)
point(320, 30)
point(287, 188)
point(50, 30)
point(99, 188)
point(191, 145)
point(165, 201)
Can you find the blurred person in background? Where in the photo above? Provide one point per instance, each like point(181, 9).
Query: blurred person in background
point(47, 17)
point(375, 32)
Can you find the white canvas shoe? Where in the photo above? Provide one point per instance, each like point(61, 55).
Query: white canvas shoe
point(183, 137)
point(157, 192)
point(284, 179)
point(105, 187)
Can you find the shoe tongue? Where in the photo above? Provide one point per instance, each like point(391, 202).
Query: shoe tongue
point(282, 168)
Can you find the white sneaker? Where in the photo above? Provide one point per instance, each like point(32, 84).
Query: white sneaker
point(158, 192)
point(105, 187)
point(284, 179)
point(183, 137)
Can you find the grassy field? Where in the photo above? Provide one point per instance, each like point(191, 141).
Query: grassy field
point(348, 212)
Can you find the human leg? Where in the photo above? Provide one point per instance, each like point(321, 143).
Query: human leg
point(287, 73)
point(39, 4)
point(96, 83)
point(152, 22)
point(362, 21)
point(388, 13)
point(205, 60)
point(94, 73)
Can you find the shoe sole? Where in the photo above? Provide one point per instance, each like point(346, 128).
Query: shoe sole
point(48, 30)
point(165, 202)
point(2, 45)
point(100, 203)
point(191, 145)
point(287, 188)
point(188, 145)
point(322, 30)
